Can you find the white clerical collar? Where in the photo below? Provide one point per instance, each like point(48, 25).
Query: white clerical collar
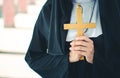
point(82, 1)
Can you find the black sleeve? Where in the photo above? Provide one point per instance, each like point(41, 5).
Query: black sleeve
point(46, 65)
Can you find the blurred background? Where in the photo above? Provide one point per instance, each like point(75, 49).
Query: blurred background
point(17, 19)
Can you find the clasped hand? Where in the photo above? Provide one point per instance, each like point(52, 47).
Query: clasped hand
point(81, 46)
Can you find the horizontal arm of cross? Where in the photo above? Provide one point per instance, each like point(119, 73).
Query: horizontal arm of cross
point(79, 26)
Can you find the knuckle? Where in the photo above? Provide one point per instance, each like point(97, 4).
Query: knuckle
point(91, 41)
point(75, 42)
point(80, 42)
point(75, 48)
point(80, 48)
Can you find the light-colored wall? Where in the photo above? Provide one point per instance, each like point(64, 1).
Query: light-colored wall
point(17, 40)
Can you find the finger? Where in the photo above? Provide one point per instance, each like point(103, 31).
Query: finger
point(75, 53)
point(80, 52)
point(84, 38)
point(81, 43)
point(73, 43)
point(79, 48)
point(83, 53)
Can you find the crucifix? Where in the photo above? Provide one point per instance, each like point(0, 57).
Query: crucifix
point(79, 26)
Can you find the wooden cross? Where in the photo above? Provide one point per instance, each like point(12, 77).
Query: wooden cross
point(80, 25)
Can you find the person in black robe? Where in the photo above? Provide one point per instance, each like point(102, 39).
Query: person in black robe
point(48, 53)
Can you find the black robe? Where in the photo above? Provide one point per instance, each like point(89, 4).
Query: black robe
point(48, 56)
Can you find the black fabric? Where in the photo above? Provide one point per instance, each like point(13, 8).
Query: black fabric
point(107, 64)
point(48, 55)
